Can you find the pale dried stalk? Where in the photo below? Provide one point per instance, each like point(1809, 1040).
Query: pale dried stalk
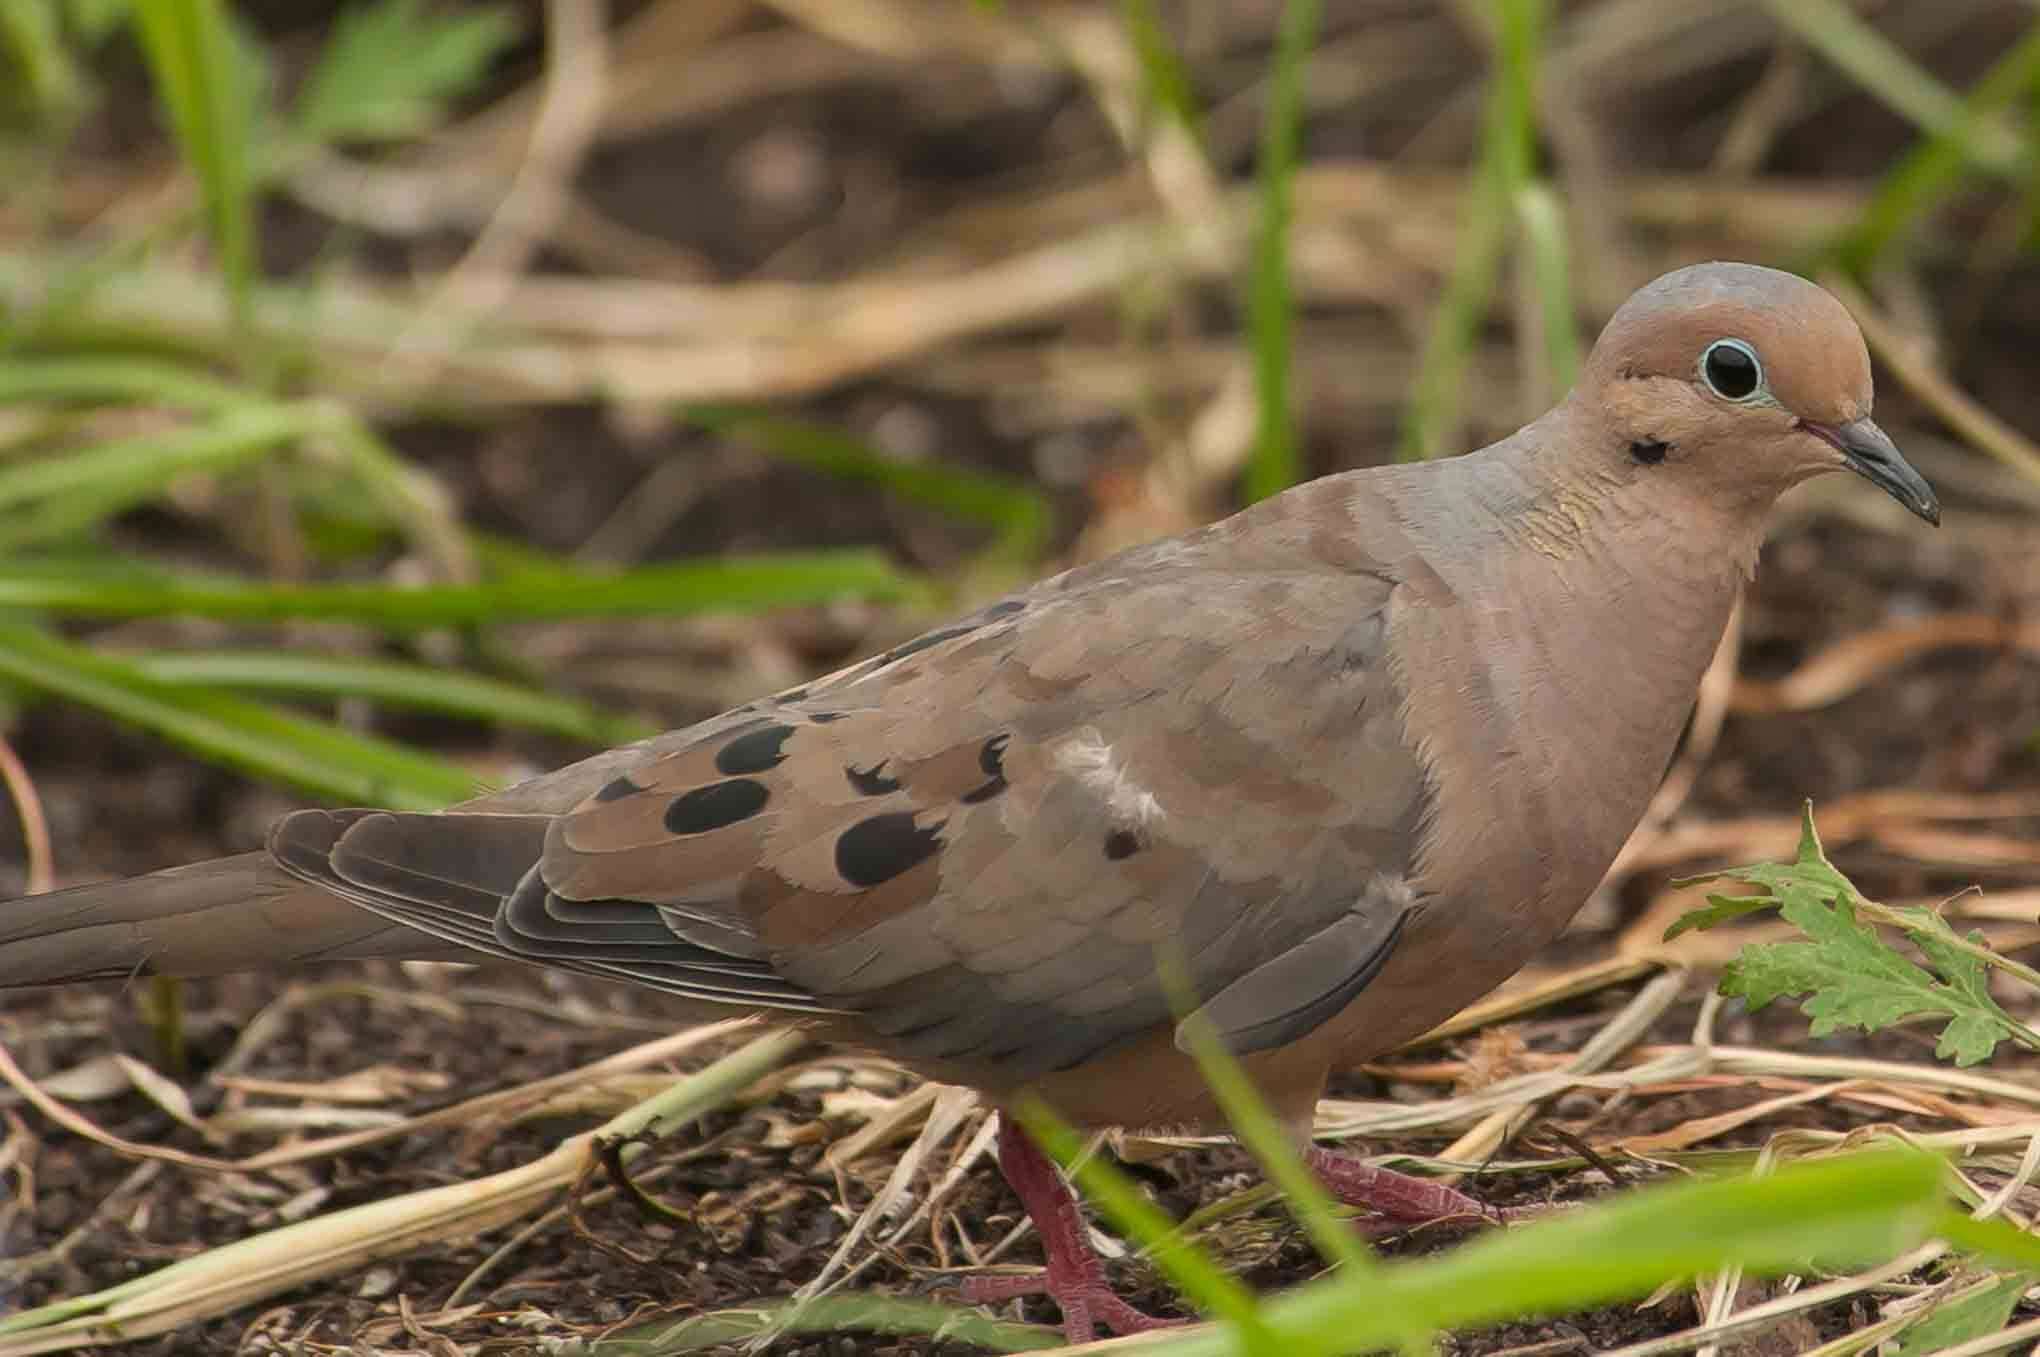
point(225, 1278)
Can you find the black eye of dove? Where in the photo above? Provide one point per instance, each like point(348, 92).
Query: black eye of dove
point(1731, 369)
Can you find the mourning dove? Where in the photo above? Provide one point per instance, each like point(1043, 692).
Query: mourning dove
point(1350, 756)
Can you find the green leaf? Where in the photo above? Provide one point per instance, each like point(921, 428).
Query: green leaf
point(390, 68)
point(1853, 979)
point(1983, 1311)
point(1718, 910)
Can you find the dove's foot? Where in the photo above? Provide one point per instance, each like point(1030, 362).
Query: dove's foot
point(1075, 1276)
point(1401, 1197)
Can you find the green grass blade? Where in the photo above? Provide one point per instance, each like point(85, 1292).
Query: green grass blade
point(1164, 78)
point(1876, 63)
point(1542, 222)
point(731, 584)
point(1844, 1211)
point(1264, 1136)
point(1271, 304)
point(316, 757)
point(1994, 1239)
point(1209, 1287)
point(154, 459)
point(1494, 196)
point(116, 379)
point(1512, 112)
point(1433, 412)
point(393, 681)
point(1017, 510)
point(55, 497)
point(1920, 179)
point(31, 43)
point(205, 81)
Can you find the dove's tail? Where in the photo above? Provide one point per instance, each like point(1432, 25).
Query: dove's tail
point(231, 914)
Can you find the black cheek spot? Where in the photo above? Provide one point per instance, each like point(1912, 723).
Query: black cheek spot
point(870, 781)
point(717, 806)
point(874, 851)
point(1649, 451)
point(616, 789)
point(753, 752)
point(1121, 843)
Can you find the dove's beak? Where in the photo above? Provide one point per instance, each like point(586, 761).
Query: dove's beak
point(1872, 455)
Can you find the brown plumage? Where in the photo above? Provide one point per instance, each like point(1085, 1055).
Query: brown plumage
point(1350, 756)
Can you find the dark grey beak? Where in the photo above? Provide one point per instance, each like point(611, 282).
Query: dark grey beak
point(1872, 455)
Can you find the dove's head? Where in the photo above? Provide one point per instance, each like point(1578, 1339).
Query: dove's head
point(1735, 382)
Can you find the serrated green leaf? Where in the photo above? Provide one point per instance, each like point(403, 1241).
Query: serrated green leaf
point(1719, 909)
point(1853, 979)
point(390, 68)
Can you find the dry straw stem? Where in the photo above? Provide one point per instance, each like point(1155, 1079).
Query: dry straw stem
point(568, 340)
point(1919, 374)
point(226, 1278)
point(1854, 662)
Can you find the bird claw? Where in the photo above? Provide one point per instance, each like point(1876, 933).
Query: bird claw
point(1400, 1197)
point(1086, 1301)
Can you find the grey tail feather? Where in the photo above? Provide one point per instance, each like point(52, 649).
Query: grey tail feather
point(211, 918)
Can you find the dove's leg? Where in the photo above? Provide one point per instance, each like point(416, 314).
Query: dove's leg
point(1075, 1276)
point(1399, 1196)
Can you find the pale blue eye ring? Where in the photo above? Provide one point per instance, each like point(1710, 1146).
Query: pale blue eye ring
point(1732, 370)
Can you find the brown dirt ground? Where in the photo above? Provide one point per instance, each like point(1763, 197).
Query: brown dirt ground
point(914, 145)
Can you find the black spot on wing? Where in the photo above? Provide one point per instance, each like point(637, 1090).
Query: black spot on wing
point(924, 642)
point(1006, 607)
point(822, 718)
point(616, 789)
point(871, 781)
point(754, 751)
point(876, 850)
point(991, 758)
point(716, 806)
point(1121, 843)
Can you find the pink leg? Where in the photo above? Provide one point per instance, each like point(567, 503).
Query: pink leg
point(1399, 1196)
point(1075, 1277)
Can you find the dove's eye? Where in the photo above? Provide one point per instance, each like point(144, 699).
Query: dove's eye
point(1731, 370)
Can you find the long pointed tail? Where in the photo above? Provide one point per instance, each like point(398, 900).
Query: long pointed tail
point(231, 914)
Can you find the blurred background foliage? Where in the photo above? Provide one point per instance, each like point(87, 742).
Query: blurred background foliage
point(342, 341)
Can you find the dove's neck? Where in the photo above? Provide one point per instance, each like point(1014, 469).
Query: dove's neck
point(1582, 616)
